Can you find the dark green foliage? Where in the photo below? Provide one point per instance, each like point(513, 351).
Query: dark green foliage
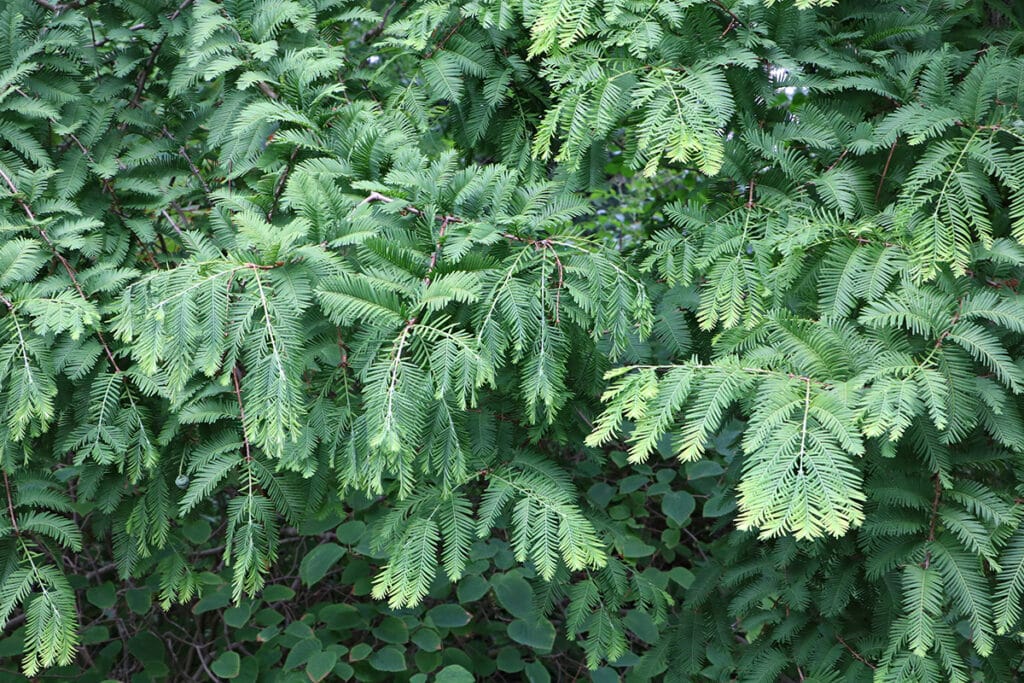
point(440, 341)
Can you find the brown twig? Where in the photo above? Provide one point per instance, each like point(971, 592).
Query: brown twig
point(436, 254)
point(864, 240)
point(376, 30)
point(202, 662)
point(191, 165)
point(267, 90)
point(444, 41)
point(10, 503)
point(446, 220)
point(952, 323)
point(281, 182)
point(103, 41)
point(147, 68)
point(558, 289)
point(181, 8)
point(375, 196)
point(732, 15)
point(836, 162)
point(934, 519)
point(885, 170)
point(107, 185)
point(342, 350)
point(101, 571)
point(546, 244)
point(14, 191)
point(696, 543)
point(235, 372)
point(856, 655)
point(60, 7)
point(935, 507)
point(167, 217)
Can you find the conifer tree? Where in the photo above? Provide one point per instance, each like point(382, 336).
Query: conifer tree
point(663, 340)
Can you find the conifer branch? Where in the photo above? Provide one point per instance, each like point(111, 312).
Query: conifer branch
point(22, 347)
point(63, 261)
point(811, 360)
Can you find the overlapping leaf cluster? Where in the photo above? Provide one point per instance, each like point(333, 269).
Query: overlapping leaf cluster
point(513, 287)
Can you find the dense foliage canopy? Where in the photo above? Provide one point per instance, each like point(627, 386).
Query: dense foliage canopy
point(568, 339)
